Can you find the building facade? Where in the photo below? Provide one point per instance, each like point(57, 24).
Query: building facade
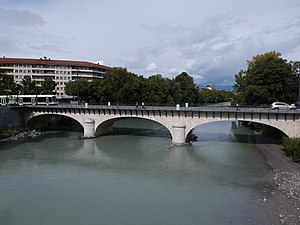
point(61, 71)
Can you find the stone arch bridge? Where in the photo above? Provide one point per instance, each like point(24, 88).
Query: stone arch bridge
point(98, 120)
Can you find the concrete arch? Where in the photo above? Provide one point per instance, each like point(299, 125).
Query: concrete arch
point(106, 126)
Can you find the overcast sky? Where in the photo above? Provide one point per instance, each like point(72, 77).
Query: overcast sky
point(211, 40)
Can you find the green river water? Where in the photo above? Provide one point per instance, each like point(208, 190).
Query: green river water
point(136, 177)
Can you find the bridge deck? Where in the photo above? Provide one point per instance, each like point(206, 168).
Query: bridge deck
point(167, 108)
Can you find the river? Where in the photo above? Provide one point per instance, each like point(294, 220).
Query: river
point(136, 177)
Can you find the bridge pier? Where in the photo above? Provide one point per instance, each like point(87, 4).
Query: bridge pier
point(178, 134)
point(89, 128)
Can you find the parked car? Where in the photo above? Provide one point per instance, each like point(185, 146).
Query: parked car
point(282, 105)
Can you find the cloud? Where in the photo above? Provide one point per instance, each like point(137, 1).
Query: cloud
point(100, 62)
point(209, 43)
point(19, 18)
point(151, 67)
point(22, 34)
point(213, 47)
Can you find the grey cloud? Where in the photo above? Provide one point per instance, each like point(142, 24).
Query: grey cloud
point(21, 33)
point(198, 43)
point(210, 43)
point(20, 18)
point(8, 45)
point(210, 50)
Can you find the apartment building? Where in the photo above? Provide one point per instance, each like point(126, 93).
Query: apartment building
point(61, 71)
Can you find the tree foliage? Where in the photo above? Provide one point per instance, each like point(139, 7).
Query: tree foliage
point(7, 84)
point(215, 96)
point(48, 86)
point(79, 88)
point(121, 86)
point(268, 78)
point(29, 87)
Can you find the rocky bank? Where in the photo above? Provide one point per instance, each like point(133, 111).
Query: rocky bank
point(23, 135)
point(286, 180)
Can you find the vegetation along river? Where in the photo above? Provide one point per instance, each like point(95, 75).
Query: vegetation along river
point(136, 177)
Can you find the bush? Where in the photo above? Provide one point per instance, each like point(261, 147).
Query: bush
point(292, 148)
point(8, 132)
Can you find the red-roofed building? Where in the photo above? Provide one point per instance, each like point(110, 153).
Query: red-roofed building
point(61, 71)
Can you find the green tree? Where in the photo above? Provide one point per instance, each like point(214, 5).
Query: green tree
point(97, 91)
point(154, 91)
point(7, 84)
point(79, 88)
point(189, 92)
point(296, 71)
point(29, 86)
point(215, 96)
point(48, 86)
point(123, 86)
point(268, 78)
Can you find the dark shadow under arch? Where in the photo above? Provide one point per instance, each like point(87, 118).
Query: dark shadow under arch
point(133, 126)
point(54, 122)
point(236, 136)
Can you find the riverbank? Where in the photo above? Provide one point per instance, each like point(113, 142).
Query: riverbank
point(22, 135)
point(286, 180)
point(8, 133)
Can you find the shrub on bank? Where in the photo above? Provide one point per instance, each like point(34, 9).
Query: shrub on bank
point(292, 148)
point(8, 132)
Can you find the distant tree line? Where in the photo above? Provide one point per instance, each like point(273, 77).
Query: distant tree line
point(123, 87)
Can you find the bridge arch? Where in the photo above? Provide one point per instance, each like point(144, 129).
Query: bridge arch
point(106, 126)
point(270, 124)
point(41, 121)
